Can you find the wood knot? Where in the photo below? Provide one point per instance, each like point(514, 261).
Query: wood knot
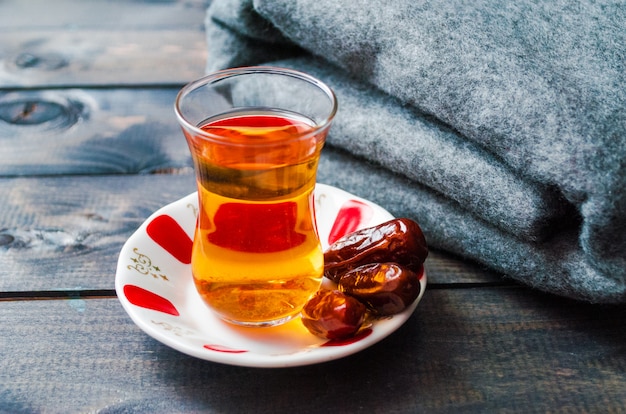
point(48, 61)
point(6, 239)
point(49, 112)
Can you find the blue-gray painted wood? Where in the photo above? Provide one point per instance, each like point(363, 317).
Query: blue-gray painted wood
point(90, 131)
point(475, 351)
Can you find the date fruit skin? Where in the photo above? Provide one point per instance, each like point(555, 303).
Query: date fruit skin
point(385, 288)
point(398, 240)
point(331, 314)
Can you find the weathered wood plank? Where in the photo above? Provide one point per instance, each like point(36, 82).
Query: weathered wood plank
point(481, 350)
point(72, 42)
point(90, 131)
point(103, 15)
point(65, 233)
point(451, 271)
point(90, 57)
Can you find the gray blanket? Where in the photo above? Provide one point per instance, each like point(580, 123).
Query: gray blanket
point(499, 126)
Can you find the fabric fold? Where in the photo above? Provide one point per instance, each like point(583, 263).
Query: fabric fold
point(422, 149)
point(511, 116)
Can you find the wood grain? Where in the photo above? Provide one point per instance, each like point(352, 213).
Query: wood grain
point(37, 59)
point(90, 131)
point(78, 15)
point(66, 232)
point(463, 351)
point(79, 43)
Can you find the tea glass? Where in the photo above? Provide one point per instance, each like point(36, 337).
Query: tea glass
point(255, 135)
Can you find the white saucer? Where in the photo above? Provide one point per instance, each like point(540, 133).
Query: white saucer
point(155, 286)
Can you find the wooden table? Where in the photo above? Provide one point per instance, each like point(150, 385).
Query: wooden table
point(89, 147)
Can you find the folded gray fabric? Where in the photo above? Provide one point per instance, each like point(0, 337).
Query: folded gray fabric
point(500, 128)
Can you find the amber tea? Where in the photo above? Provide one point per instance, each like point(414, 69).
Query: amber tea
point(247, 265)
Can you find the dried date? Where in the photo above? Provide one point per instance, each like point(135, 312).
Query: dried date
point(385, 288)
point(332, 314)
point(399, 240)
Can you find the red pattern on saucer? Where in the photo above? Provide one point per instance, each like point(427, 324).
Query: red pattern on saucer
point(168, 234)
point(349, 218)
point(145, 299)
point(221, 348)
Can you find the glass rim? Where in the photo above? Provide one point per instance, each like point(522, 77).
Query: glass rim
point(248, 70)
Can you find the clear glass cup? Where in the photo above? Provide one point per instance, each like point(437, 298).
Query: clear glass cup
point(255, 136)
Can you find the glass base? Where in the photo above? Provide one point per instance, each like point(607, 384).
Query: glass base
point(259, 324)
